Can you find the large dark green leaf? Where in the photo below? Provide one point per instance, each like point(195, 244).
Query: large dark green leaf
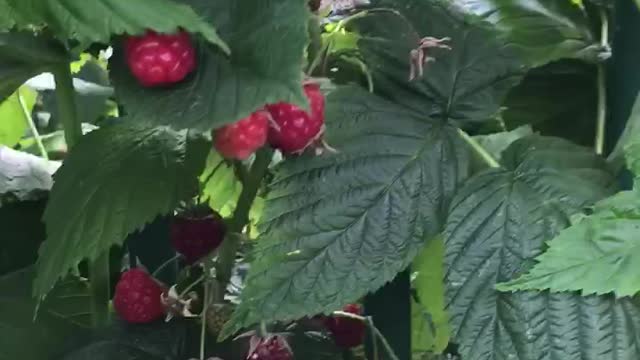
point(543, 30)
point(497, 224)
point(59, 324)
point(340, 225)
point(116, 180)
point(267, 40)
point(23, 55)
point(98, 20)
point(466, 84)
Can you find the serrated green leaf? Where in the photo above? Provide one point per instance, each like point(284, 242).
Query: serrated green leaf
point(220, 187)
point(497, 224)
point(496, 143)
point(23, 55)
point(543, 30)
point(430, 323)
point(598, 255)
point(627, 145)
point(96, 21)
point(12, 118)
point(340, 225)
point(267, 40)
point(466, 84)
point(117, 179)
point(56, 326)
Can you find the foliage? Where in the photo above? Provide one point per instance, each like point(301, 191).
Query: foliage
point(13, 123)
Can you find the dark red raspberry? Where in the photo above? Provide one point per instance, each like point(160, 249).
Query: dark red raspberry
point(196, 233)
point(273, 347)
point(314, 5)
point(347, 333)
point(160, 59)
point(293, 129)
point(241, 139)
point(138, 297)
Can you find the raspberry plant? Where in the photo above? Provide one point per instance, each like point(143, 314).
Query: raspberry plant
point(231, 179)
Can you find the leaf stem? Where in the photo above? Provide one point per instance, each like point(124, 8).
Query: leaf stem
point(207, 293)
point(240, 219)
point(32, 126)
point(478, 149)
point(602, 87)
point(165, 264)
point(99, 267)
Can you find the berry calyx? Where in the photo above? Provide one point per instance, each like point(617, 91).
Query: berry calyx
point(294, 129)
point(196, 233)
point(241, 139)
point(160, 59)
point(138, 297)
point(272, 347)
point(347, 333)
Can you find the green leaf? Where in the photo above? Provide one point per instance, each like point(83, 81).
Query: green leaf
point(625, 145)
point(24, 176)
point(57, 325)
point(430, 322)
point(340, 225)
point(221, 188)
point(466, 84)
point(23, 55)
point(599, 255)
point(542, 30)
point(12, 118)
point(116, 180)
point(267, 41)
point(496, 143)
point(96, 21)
point(497, 225)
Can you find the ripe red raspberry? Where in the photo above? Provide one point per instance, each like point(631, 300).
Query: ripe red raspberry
point(273, 347)
point(160, 59)
point(294, 129)
point(195, 234)
point(347, 333)
point(241, 139)
point(138, 297)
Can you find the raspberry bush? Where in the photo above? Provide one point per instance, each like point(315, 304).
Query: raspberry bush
point(240, 180)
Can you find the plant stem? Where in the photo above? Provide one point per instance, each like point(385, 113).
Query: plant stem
point(165, 264)
point(602, 88)
point(240, 219)
point(316, 47)
point(99, 267)
point(478, 149)
point(207, 291)
point(34, 130)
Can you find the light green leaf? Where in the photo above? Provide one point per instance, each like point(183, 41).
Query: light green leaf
point(96, 21)
point(430, 322)
point(12, 117)
point(61, 319)
point(466, 84)
point(267, 40)
point(23, 55)
point(628, 145)
point(116, 180)
point(496, 143)
point(542, 30)
point(220, 186)
point(497, 225)
point(598, 255)
point(340, 225)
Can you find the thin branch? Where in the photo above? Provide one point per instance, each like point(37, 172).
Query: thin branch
point(602, 87)
point(203, 329)
point(34, 130)
point(478, 149)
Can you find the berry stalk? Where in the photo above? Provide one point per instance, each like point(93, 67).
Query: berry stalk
point(98, 268)
point(240, 219)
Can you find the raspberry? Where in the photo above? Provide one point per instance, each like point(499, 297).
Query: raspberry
point(138, 297)
point(241, 139)
point(160, 59)
point(273, 347)
point(196, 233)
point(347, 333)
point(293, 129)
